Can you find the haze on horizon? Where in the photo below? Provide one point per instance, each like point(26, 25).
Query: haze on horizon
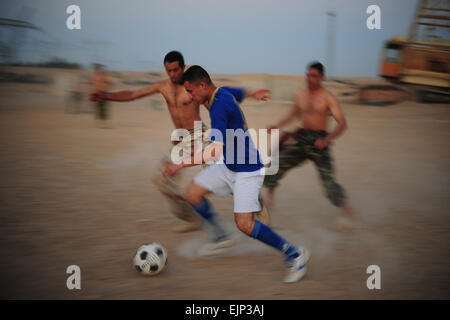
point(227, 37)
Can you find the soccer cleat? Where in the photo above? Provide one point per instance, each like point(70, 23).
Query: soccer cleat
point(218, 247)
point(296, 268)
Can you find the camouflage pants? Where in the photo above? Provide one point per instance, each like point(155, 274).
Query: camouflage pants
point(101, 110)
point(172, 187)
point(293, 154)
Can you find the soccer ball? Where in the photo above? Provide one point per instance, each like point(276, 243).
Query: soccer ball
point(150, 259)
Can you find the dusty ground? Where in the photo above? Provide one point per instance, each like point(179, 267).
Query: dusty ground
point(74, 194)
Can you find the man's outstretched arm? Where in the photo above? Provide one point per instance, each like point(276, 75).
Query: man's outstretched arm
point(242, 93)
point(126, 95)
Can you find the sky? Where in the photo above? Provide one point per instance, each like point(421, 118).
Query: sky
point(228, 36)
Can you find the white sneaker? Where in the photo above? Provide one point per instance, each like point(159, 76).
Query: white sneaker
point(296, 268)
point(216, 247)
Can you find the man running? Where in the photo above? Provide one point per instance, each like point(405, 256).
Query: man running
point(312, 141)
point(241, 173)
point(185, 112)
point(100, 84)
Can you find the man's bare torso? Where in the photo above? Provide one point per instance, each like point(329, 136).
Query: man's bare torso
point(99, 82)
point(313, 108)
point(183, 110)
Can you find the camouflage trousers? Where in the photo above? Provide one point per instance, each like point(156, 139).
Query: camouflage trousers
point(293, 154)
point(101, 108)
point(172, 187)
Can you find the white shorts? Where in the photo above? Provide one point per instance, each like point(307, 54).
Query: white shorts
point(244, 186)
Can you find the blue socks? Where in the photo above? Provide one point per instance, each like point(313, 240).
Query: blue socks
point(260, 231)
point(265, 234)
point(205, 210)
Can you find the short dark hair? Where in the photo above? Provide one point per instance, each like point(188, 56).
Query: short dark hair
point(318, 66)
point(98, 66)
point(196, 74)
point(173, 56)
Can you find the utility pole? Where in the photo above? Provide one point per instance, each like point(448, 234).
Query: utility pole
point(330, 42)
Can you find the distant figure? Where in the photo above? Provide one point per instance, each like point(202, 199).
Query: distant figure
point(100, 84)
point(75, 94)
point(312, 106)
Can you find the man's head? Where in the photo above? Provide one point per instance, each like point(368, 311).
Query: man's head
point(197, 83)
point(174, 64)
point(98, 67)
point(314, 75)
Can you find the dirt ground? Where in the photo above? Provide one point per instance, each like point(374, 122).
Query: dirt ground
point(75, 194)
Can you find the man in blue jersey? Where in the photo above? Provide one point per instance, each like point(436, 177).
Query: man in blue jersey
point(239, 172)
point(184, 113)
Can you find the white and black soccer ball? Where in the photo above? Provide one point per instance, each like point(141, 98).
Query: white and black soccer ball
point(150, 259)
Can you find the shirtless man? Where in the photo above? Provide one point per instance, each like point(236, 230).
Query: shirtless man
point(100, 84)
point(183, 110)
point(312, 141)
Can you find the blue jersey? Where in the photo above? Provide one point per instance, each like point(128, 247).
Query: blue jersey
point(228, 126)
